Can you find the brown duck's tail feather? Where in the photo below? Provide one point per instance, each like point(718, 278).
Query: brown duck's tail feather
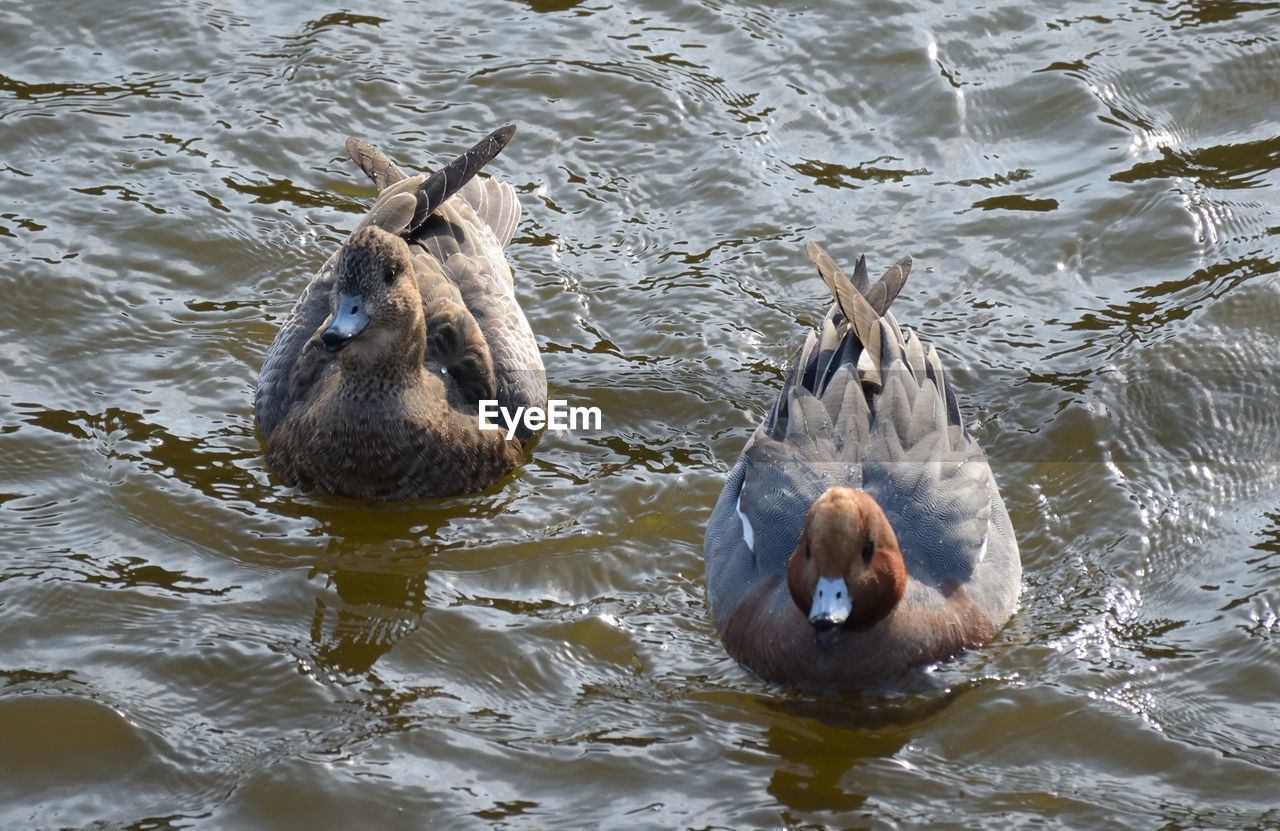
point(376, 165)
point(449, 179)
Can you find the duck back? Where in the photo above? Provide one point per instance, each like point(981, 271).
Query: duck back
point(864, 406)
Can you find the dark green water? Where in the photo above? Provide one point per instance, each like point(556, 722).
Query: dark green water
point(1092, 197)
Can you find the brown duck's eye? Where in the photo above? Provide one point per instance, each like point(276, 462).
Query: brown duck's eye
point(868, 548)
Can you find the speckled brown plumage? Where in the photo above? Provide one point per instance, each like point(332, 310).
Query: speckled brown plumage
point(371, 386)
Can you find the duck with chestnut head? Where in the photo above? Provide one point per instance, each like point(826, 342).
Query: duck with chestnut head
point(861, 532)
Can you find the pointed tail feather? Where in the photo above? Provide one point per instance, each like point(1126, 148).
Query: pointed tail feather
point(883, 293)
point(376, 165)
point(446, 181)
point(861, 281)
point(860, 314)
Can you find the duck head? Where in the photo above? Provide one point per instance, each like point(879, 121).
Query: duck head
point(846, 571)
point(377, 308)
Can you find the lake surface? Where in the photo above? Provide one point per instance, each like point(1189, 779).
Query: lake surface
point(1092, 197)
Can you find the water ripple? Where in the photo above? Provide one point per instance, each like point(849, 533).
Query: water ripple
point(1090, 195)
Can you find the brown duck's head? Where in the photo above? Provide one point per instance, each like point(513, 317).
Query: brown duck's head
point(846, 571)
point(376, 303)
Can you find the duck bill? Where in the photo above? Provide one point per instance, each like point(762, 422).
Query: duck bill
point(831, 607)
point(349, 320)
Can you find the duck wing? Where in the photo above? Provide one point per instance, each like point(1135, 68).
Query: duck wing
point(467, 236)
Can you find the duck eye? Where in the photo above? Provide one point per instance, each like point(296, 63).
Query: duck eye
point(868, 549)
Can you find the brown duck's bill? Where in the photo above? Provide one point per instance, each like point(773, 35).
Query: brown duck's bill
point(349, 320)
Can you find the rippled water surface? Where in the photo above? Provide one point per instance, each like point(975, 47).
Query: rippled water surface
point(1091, 195)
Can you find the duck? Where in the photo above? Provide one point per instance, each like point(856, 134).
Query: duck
point(861, 533)
point(374, 383)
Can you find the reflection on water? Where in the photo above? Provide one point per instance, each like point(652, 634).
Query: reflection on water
point(373, 613)
point(1090, 196)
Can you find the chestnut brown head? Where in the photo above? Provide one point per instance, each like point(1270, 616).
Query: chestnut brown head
point(846, 571)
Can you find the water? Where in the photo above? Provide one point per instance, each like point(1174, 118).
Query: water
point(1092, 198)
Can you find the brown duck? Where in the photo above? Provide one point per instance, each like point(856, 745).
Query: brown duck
point(371, 388)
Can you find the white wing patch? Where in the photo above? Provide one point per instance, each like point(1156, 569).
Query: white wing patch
point(748, 533)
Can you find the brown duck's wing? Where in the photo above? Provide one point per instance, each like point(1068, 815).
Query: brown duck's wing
point(495, 204)
point(276, 389)
point(456, 347)
point(465, 223)
point(517, 364)
point(466, 236)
